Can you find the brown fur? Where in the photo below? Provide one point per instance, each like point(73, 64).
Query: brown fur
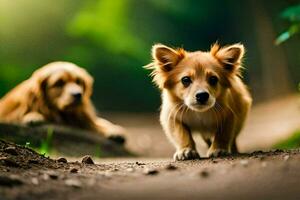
point(48, 96)
point(220, 119)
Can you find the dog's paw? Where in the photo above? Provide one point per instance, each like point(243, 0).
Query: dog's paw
point(33, 119)
point(186, 154)
point(217, 152)
point(120, 139)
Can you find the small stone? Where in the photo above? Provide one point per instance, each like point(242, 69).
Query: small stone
point(45, 177)
point(35, 181)
point(62, 160)
point(10, 163)
point(204, 173)
point(214, 161)
point(150, 171)
point(264, 164)
point(32, 161)
point(10, 181)
point(74, 170)
point(87, 160)
point(3, 158)
point(108, 174)
point(53, 175)
point(262, 157)
point(245, 163)
point(286, 157)
point(11, 150)
point(130, 169)
point(138, 163)
point(171, 167)
point(73, 183)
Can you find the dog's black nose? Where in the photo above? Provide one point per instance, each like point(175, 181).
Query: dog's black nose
point(77, 95)
point(202, 97)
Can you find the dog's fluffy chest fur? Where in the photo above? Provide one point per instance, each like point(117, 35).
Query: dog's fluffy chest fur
point(204, 123)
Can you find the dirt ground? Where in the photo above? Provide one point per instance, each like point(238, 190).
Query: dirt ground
point(261, 175)
point(269, 123)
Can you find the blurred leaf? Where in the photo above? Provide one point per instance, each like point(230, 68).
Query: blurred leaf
point(107, 24)
point(292, 13)
point(287, 34)
point(291, 142)
point(45, 147)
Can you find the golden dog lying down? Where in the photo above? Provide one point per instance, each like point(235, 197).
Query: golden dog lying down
point(58, 93)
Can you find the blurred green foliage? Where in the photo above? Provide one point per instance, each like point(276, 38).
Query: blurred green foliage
point(290, 143)
point(292, 15)
point(113, 38)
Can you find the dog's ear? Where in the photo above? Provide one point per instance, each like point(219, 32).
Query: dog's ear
point(165, 57)
point(88, 83)
point(164, 60)
point(229, 56)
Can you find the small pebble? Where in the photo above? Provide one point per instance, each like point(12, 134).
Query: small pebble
point(171, 167)
point(62, 160)
point(204, 173)
point(32, 161)
point(138, 163)
point(130, 169)
point(45, 177)
point(264, 164)
point(35, 181)
point(11, 150)
point(73, 183)
point(262, 158)
point(150, 171)
point(286, 157)
point(74, 170)
point(87, 160)
point(53, 175)
point(10, 181)
point(245, 163)
point(10, 163)
point(3, 158)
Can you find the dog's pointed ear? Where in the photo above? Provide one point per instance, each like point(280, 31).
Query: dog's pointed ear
point(165, 57)
point(229, 56)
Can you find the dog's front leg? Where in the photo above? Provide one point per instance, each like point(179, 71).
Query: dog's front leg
point(33, 118)
point(223, 141)
point(110, 130)
point(181, 137)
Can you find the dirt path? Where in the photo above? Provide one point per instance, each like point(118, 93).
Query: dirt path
point(270, 175)
point(268, 123)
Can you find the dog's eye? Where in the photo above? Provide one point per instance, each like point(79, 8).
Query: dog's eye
point(59, 83)
point(213, 80)
point(79, 81)
point(186, 81)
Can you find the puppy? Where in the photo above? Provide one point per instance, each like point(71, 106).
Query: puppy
point(201, 92)
point(59, 93)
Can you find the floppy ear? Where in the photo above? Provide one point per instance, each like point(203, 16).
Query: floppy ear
point(229, 56)
point(165, 57)
point(88, 82)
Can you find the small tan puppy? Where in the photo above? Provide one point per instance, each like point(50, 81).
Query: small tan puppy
point(59, 93)
point(201, 92)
